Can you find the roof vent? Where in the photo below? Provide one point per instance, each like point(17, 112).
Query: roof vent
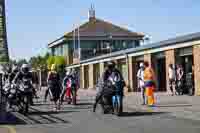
point(92, 13)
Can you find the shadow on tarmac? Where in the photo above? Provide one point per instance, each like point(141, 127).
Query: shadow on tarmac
point(38, 112)
point(82, 104)
point(35, 116)
point(136, 114)
point(174, 105)
point(11, 119)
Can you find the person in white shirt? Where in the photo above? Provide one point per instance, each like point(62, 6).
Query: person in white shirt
point(140, 76)
point(172, 78)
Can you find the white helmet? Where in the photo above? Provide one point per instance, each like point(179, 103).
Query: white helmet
point(25, 66)
point(68, 71)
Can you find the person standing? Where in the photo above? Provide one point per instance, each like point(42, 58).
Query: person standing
point(69, 81)
point(179, 79)
point(140, 76)
point(149, 80)
point(53, 81)
point(172, 78)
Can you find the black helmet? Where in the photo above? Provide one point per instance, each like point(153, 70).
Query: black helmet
point(15, 69)
point(25, 68)
point(111, 65)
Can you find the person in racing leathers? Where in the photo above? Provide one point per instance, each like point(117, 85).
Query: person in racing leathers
point(24, 73)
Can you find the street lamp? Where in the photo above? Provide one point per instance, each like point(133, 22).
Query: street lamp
point(110, 44)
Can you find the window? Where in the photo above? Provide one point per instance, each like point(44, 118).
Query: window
point(61, 50)
point(105, 44)
point(65, 50)
point(124, 44)
point(53, 51)
point(137, 43)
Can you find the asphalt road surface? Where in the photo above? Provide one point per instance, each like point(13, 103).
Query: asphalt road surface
point(80, 118)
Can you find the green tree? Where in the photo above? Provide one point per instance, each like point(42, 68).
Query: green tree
point(21, 62)
point(39, 62)
point(50, 61)
point(60, 63)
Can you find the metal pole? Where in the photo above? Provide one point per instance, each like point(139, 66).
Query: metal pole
point(79, 45)
point(74, 40)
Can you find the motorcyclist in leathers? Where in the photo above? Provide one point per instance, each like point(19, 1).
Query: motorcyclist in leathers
point(24, 73)
point(12, 75)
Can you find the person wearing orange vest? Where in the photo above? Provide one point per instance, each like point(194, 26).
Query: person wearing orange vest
point(149, 80)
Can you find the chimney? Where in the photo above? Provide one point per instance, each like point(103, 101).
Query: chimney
point(92, 13)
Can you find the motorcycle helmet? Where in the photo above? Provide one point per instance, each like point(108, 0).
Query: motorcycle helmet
point(111, 65)
point(25, 68)
point(15, 69)
point(8, 69)
point(68, 72)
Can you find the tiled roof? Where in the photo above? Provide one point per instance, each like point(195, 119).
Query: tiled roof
point(101, 28)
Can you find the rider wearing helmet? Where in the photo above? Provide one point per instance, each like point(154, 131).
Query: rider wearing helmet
point(8, 70)
point(104, 82)
point(24, 73)
point(14, 72)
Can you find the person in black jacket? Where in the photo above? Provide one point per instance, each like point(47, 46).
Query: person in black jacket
point(12, 75)
point(103, 84)
point(54, 87)
point(25, 73)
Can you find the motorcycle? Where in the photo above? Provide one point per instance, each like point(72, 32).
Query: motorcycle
point(13, 97)
point(111, 100)
point(25, 91)
point(6, 89)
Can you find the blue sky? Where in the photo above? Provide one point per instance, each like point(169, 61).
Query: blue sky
point(31, 24)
